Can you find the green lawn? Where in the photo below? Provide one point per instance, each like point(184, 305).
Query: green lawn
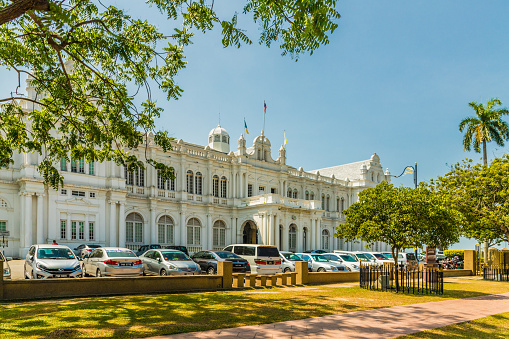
point(150, 315)
point(495, 326)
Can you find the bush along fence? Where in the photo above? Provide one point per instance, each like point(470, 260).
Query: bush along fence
point(498, 273)
point(402, 280)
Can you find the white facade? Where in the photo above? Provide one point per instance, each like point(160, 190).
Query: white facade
point(217, 199)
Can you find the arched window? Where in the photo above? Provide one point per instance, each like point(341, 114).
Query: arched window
point(292, 238)
point(224, 138)
point(190, 182)
point(63, 164)
point(161, 184)
point(171, 183)
point(289, 193)
point(219, 234)
point(305, 238)
point(295, 193)
point(199, 181)
point(327, 203)
point(323, 201)
point(337, 205)
point(372, 176)
point(134, 228)
point(342, 205)
point(215, 186)
point(217, 138)
point(193, 232)
point(312, 196)
point(165, 230)
point(325, 240)
point(223, 187)
point(307, 195)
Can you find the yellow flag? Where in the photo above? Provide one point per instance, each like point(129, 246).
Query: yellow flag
point(286, 141)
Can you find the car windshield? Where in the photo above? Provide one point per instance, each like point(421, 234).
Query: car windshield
point(388, 255)
point(410, 256)
point(348, 258)
point(55, 253)
point(379, 256)
point(334, 257)
point(369, 256)
point(320, 258)
point(175, 256)
point(291, 257)
point(227, 255)
point(120, 254)
point(362, 257)
point(268, 252)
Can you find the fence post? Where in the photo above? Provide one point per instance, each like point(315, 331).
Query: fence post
point(1, 280)
point(470, 260)
point(225, 269)
point(301, 268)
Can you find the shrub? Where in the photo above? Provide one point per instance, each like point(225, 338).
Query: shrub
point(452, 253)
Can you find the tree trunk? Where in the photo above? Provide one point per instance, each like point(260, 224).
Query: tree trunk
point(485, 158)
point(19, 7)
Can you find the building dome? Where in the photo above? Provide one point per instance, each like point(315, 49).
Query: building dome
point(261, 139)
point(219, 139)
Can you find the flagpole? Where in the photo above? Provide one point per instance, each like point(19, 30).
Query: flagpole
point(263, 131)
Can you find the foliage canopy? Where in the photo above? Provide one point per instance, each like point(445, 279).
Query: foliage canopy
point(81, 56)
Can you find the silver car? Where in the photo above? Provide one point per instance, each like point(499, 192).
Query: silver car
point(288, 260)
point(51, 261)
point(7, 269)
point(320, 264)
point(112, 261)
point(349, 261)
point(168, 262)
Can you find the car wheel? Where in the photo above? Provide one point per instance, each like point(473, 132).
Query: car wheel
point(163, 273)
point(211, 270)
point(321, 269)
point(98, 273)
point(287, 270)
point(85, 274)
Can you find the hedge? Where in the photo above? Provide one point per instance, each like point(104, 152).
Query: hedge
point(452, 253)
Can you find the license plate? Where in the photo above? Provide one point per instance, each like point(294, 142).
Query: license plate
point(60, 276)
point(125, 264)
point(238, 265)
point(270, 263)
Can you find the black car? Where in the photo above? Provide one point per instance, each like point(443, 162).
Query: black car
point(208, 261)
point(178, 248)
point(145, 248)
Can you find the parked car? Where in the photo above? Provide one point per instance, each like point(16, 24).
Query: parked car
point(145, 248)
point(208, 261)
point(263, 259)
point(168, 262)
point(318, 251)
point(361, 258)
point(51, 261)
point(321, 264)
point(112, 261)
point(178, 248)
point(288, 260)
point(345, 259)
point(84, 249)
point(404, 258)
point(378, 258)
point(7, 269)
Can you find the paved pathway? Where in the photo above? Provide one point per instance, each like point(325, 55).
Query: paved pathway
point(373, 324)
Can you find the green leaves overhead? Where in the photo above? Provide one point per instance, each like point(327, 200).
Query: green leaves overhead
point(83, 56)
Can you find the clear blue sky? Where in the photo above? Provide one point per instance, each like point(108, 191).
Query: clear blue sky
point(396, 79)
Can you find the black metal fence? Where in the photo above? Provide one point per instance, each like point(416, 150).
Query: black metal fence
point(498, 273)
point(402, 279)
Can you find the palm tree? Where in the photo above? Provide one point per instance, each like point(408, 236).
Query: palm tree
point(485, 127)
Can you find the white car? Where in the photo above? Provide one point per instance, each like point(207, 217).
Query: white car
point(344, 259)
point(378, 258)
point(321, 264)
point(361, 258)
point(51, 261)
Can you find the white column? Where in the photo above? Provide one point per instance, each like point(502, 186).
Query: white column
point(22, 222)
point(285, 238)
point(276, 232)
point(207, 234)
point(270, 229)
point(182, 229)
point(232, 233)
point(113, 224)
point(28, 220)
point(121, 225)
point(300, 238)
point(317, 235)
point(86, 228)
point(40, 219)
point(68, 226)
point(153, 226)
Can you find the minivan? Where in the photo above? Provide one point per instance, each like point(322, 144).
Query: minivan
point(263, 259)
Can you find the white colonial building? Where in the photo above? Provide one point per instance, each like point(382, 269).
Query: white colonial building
point(218, 197)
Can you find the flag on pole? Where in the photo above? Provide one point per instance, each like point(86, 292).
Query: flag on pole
point(286, 140)
point(264, 107)
point(245, 126)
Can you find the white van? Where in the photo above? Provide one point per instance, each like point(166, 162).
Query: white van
point(263, 259)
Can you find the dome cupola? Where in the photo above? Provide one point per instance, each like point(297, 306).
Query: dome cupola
point(219, 139)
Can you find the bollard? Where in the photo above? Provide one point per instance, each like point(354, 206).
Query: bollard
point(301, 268)
point(272, 280)
point(250, 280)
point(280, 279)
point(470, 261)
point(261, 280)
point(293, 278)
point(287, 278)
point(224, 269)
point(238, 280)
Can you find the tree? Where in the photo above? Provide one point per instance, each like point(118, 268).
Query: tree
point(481, 195)
point(485, 127)
point(401, 217)
point(80, 58)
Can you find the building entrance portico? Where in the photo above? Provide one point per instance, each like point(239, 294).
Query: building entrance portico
point(249, 233)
